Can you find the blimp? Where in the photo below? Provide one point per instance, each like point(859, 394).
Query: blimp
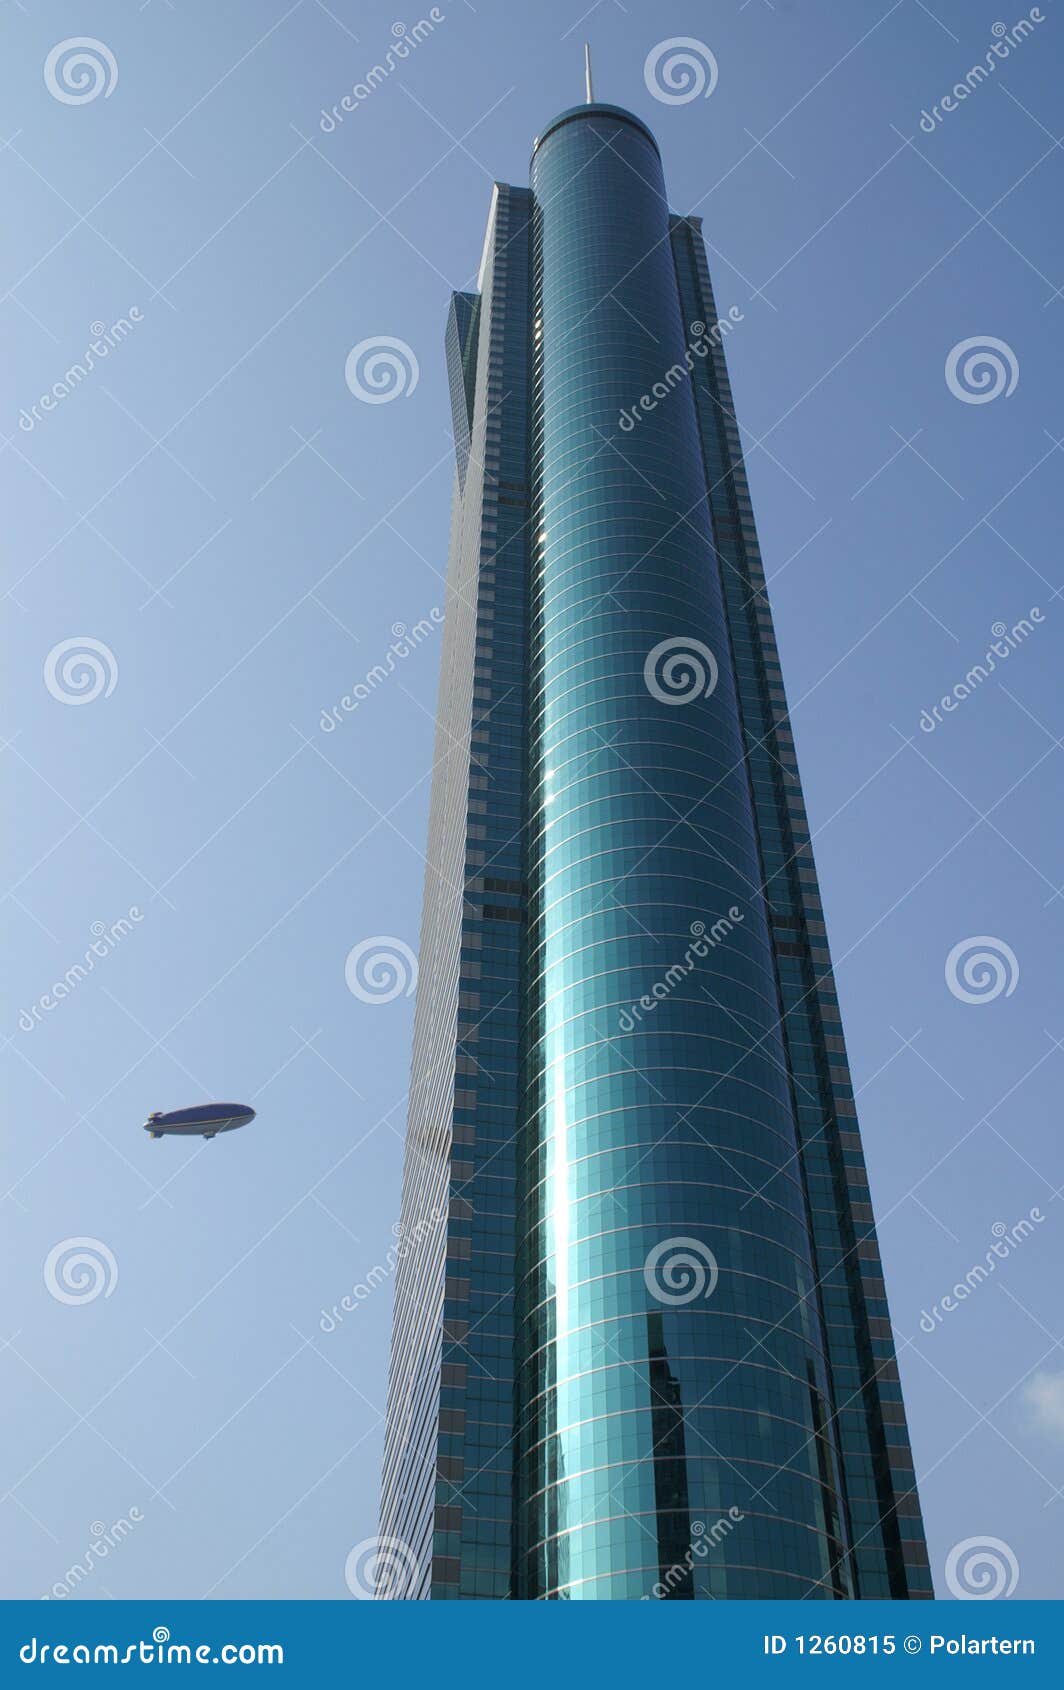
point(206, 1120)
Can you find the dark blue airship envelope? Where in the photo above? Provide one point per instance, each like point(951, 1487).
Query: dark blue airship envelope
point(205, 1118)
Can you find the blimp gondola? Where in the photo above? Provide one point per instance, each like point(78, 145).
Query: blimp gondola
point(206, 1120)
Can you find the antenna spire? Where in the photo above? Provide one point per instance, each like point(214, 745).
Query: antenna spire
point(587, 73)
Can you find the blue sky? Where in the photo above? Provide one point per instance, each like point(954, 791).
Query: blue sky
point(242, 534)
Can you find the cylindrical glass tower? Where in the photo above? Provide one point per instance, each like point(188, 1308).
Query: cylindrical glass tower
point(673, 1411)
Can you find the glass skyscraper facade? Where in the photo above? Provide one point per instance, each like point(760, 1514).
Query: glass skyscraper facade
point(642, 1346)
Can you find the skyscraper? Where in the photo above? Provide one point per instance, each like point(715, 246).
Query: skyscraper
point(641, 1345)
